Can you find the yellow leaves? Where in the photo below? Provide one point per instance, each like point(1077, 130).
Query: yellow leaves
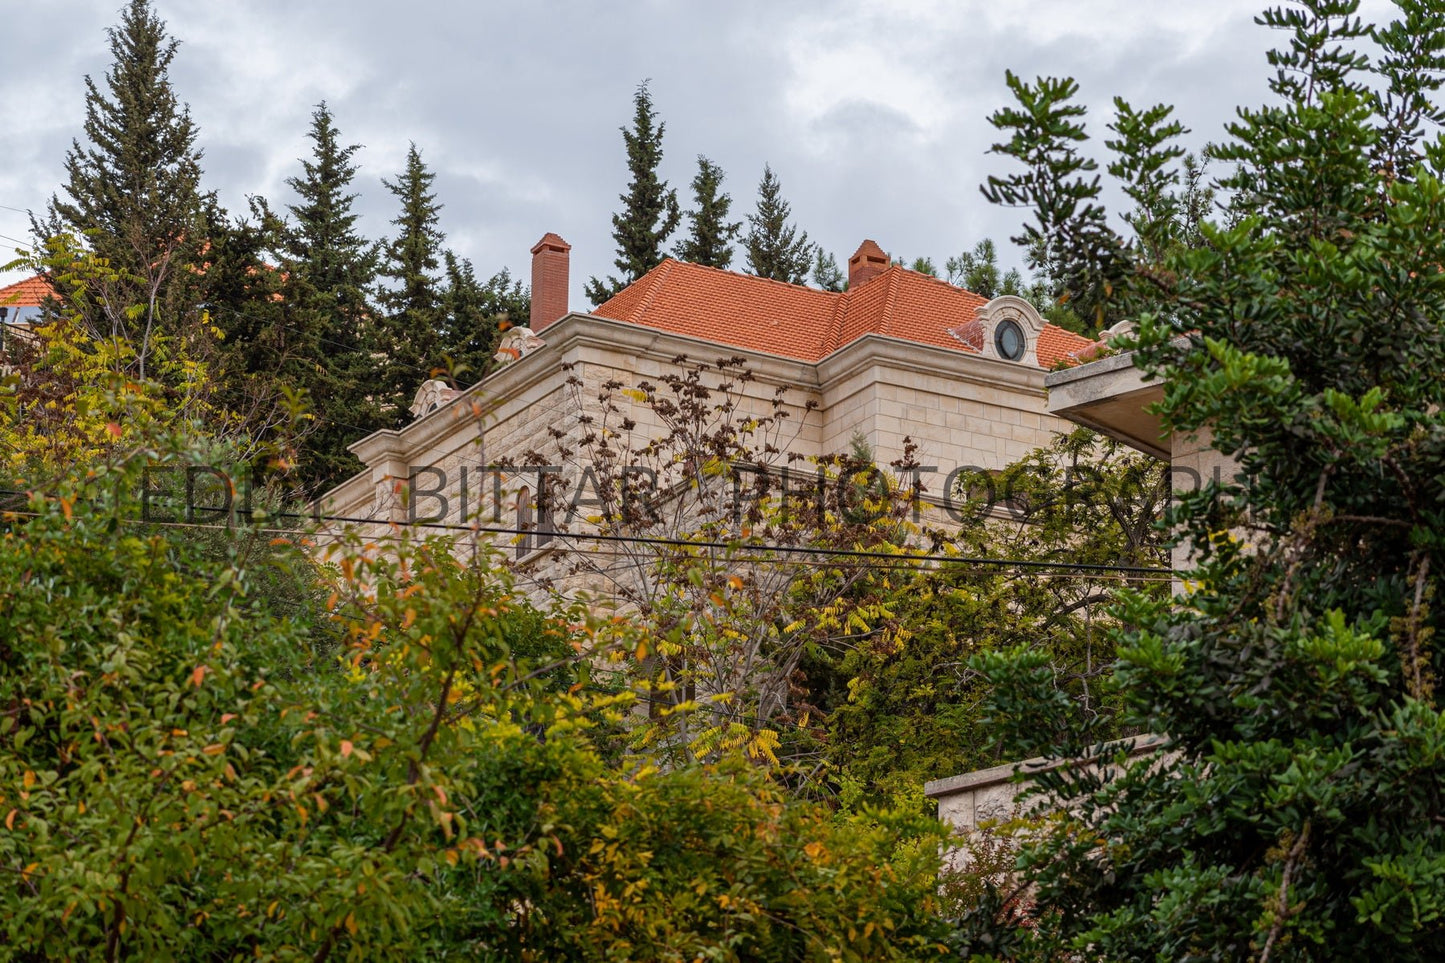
point(351, 926)
point(28, 780)
point(10, 819)
point(214, 749)
point(198, 674)
point(764, 744)
point(814, 849)
point(443, 819)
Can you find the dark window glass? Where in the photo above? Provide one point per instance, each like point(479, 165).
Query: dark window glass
point(524, 521)
point(1008, 339)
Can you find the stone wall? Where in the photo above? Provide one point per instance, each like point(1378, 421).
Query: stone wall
point(971, 802)
point(961, 410)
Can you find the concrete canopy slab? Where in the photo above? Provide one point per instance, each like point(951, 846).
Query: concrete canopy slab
point(1111, 397)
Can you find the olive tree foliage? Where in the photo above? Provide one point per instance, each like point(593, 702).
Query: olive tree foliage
point(1294, 811)
point(729, 546)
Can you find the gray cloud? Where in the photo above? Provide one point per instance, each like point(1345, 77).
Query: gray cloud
point(874, 116)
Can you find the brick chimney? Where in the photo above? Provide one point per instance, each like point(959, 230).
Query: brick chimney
point(867, 261)
point(549, 280)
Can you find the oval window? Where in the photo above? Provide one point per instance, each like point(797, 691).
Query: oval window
point(1009, 340)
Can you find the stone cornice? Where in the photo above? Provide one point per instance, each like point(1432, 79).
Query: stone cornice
point(573, 337)
point(924, 359)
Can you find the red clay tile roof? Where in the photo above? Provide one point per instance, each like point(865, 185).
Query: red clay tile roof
point(28, 293)
point(808, 324)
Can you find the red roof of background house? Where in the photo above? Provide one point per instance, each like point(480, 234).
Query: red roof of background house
point(28, 293)
point(807, 324)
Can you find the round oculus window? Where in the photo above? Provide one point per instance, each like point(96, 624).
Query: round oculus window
point(1009, 340)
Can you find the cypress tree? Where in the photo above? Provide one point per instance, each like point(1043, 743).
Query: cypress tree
point(649, 208)
point(775, 247)
point(709, 242)
point(133, 190)
point(411, 292)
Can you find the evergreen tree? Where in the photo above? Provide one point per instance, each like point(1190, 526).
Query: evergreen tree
point(412, 320)
point(924, 265)
point(775, 247)
point(136, 184)
point(133, 190)
point(709, 242)
point(330, 268)
point(978, 271)
point(323, 240)
point(477, 313)
point(649, 208)
point(826, 273)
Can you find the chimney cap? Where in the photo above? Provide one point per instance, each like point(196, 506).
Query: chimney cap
point(867, 262)
point(869, 251)
point(551, 242)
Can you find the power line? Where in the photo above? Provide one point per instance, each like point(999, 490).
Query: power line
point(810, 551)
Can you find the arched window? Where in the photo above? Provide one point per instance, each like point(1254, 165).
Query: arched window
point(524, 521)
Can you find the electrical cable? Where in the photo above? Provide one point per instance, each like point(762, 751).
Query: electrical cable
point(810, 551)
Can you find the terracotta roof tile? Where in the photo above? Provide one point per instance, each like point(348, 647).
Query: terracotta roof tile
point(807, 324)
point(1059, 347)
point(28, 293)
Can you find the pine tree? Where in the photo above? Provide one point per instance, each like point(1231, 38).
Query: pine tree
point(133, 190)
point(709, 242)
point(775, 248)
point(826, 272)
point(323, 240)
point(476, 314)
point(330, 269)
point(411, 295)
point(649, 208)
point(137, 182)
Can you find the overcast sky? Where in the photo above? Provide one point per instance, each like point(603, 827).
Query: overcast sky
point(874, 115)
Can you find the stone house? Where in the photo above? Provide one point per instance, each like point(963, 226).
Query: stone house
point(898, 357)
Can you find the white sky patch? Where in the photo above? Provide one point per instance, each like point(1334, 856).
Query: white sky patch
point(830, 72)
